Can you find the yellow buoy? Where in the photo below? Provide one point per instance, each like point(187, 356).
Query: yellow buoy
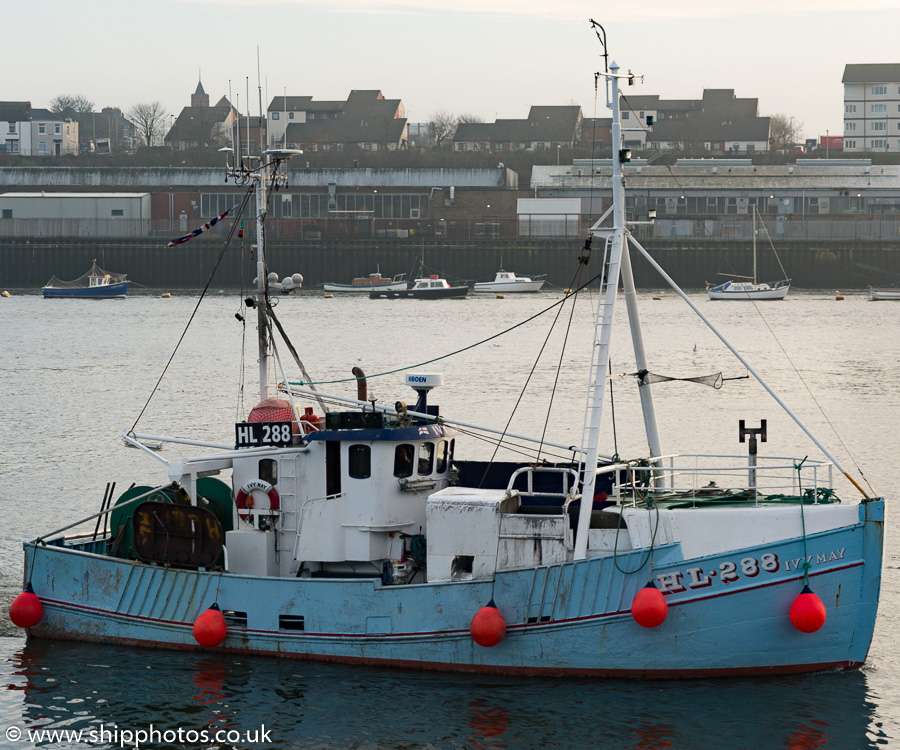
point(165, 295)
point(501, 296)
point(5, 294)
point(838, 296)
point(657, 298)
point(329, 296)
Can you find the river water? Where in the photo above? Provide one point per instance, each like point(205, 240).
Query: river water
point(75, 374)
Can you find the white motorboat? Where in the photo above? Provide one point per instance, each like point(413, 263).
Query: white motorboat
point(507, 281)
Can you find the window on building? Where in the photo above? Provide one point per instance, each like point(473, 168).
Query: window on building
point(403, 460)
point(879, 90)
point(57, 128)
point(849, 126)
point(268, 470)
point(876, 126)
point(877, 109)
point(7, 213)
point(117, 212)
point(849, 109)
point(625, 115)
point(42, 147)
point(849, 90)
point(850, 144)
point(12, 128)
point(42, 128)
point(878, 143)
point(291, 116)
point(442, 457)
point(359, 465)
point(426, 459)
point(275, 115)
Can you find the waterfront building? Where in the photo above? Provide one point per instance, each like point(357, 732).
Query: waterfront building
point(872, 107)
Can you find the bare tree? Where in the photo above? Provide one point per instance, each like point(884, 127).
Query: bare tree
point(468, 117)
point(443, 126)
point(149, 122)
point(783, 131)
point(71, 105)
point(78, 108)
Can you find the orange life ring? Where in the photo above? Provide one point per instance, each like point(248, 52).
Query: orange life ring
point(244, 499)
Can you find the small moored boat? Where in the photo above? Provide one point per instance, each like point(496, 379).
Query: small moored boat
point(891, 292)
point(95, 284)
point(750, 288)
point(430, 287)
point(507, 281)
point(372, 282)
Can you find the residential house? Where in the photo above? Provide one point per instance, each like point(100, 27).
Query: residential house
point(366, 120)
point(872, 107)
point(248, 133)
point(201, 125)
point(108, 131)
point(546, 128)
point(719, 123)
point(27, 131)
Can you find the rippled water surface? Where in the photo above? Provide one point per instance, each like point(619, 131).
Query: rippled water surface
point(75, 374)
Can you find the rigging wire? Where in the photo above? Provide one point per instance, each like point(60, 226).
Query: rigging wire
point(765, 322)
point(194, 313)
point(575, 278)
point(457, 351)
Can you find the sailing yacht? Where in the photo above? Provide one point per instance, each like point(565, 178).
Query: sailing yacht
point(750, 288)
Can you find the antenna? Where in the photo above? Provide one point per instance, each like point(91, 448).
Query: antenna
point(237, 125)
point(602, 39)
point(259, 85)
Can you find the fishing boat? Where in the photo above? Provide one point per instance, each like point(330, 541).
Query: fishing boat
point(506, 282)
point(353, 532)
point(95, 284)
point(372, 282)
point(882, 293)
point(428, 287)
point(750, 288)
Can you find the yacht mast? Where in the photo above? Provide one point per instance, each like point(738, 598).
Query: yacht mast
point(755, 215)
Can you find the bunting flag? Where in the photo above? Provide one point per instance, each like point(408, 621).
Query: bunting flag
point(199, 230)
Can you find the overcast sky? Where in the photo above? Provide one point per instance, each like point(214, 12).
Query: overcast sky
point(490, 58)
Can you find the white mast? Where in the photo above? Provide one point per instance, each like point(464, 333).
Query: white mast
point(261, 172)
point(606, 303)
point(755, 215)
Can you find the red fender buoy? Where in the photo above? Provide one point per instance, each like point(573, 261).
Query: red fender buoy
point(26, 610)
point(808, 611)
point(209, 627)
point(649, 608)
point(488, 626)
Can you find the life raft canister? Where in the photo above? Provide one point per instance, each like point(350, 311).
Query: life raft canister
point(244, 499)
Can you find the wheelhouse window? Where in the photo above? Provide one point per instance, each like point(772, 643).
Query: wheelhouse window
point(403, 460)
point(426, 459)
point(268, 470)
point(442, 457)
point(359, 465)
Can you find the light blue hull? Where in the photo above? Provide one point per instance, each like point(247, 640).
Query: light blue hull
point(572, 618)
point(106, 291)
